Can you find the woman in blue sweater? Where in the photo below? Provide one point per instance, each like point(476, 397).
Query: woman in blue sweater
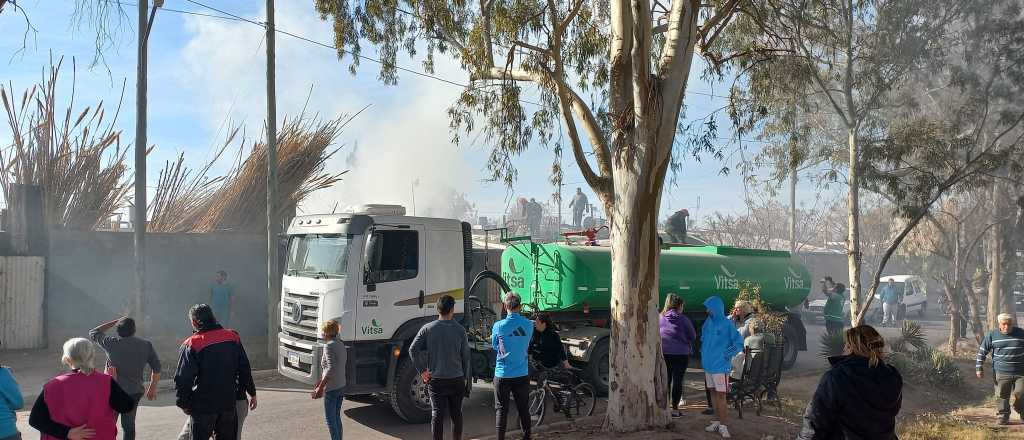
point(10, 401)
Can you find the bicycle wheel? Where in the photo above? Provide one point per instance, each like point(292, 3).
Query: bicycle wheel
point(584, 400)
point(538, 405)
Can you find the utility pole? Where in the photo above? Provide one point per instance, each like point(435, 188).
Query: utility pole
point(139, 220)
point(273, 290)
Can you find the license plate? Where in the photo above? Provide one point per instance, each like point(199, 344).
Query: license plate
point(293, 358)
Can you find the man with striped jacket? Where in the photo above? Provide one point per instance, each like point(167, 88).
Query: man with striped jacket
point(1007, 347)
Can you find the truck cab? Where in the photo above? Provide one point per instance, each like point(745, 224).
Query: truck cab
point(368, 271)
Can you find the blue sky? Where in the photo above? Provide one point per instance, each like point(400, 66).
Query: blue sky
point(206, 73)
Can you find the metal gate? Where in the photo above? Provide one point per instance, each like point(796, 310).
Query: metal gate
point(21, 302)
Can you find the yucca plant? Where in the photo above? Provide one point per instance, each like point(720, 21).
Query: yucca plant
point(911, 336)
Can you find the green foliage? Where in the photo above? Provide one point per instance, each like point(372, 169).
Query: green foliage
point(911, 337)
point(509, 115)
point(919, 362)
point(772, 321)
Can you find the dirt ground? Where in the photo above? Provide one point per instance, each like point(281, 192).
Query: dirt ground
point(928, 413)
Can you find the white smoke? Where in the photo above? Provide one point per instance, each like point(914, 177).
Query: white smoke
point(399, 151)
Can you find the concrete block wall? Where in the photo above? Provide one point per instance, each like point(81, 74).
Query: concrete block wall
point(90, 279)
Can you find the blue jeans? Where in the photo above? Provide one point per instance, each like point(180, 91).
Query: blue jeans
point(332, 411)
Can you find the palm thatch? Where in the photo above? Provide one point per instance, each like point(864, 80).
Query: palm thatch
point(187, 202)
point(76, 158)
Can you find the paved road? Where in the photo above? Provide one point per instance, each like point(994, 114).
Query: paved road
point(287, 412)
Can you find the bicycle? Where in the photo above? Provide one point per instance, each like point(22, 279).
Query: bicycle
point(571, 397)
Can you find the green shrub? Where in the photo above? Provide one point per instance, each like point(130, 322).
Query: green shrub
point(944, 371)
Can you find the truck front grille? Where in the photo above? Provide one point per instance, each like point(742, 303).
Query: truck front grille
point(299, 312)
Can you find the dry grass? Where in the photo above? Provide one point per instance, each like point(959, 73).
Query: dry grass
point(75, 156)
point(192, 202)
point(933, 427)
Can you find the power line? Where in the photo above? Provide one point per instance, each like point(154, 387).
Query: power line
point(234, 17)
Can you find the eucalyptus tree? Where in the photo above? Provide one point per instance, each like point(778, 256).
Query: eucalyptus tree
point(613, 74)
point(850, 60)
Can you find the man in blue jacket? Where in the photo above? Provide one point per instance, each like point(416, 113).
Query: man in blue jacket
point(720, 341)
point(510, 338)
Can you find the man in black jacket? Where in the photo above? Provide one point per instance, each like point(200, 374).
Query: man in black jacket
point(211, 363)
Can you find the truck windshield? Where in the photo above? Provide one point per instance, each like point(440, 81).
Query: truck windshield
point(318, 255)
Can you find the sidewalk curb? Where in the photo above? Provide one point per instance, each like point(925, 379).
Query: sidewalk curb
point(168, 384)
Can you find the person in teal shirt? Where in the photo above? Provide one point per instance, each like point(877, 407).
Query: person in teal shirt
point(833, 312)
point(222, 297)
point(11, 400)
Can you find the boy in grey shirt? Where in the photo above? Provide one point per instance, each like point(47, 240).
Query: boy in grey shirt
point(440, 353)
point(128, 355)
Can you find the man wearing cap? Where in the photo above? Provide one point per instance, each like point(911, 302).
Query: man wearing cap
point(510, 338)
point(1007, 347)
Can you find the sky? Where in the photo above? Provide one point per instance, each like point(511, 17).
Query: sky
point(208, 73)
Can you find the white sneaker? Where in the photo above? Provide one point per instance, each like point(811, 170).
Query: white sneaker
point(723, 431)
point(713, 426)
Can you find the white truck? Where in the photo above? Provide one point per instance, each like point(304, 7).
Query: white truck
point(369, 271)
point(379, 273)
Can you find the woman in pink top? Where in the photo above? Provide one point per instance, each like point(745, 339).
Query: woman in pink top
point(81, 403)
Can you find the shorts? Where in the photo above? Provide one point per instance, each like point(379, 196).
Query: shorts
point(718, 382)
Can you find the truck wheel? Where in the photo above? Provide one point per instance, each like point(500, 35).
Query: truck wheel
point(597, 368)
point(789, 350)
point(408, 395)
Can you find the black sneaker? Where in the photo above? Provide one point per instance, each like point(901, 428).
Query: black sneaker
point(708, 412)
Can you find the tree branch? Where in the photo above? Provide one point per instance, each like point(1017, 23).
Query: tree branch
point(498, 73)
point(674, 65)
point(723, 16)
point(564, 24)
point(620, 97)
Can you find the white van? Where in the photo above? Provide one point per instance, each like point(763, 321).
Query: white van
point(913, 291)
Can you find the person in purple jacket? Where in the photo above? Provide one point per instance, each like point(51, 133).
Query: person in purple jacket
point(677, 336)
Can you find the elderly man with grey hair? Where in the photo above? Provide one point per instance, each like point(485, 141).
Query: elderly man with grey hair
point(1007, 347)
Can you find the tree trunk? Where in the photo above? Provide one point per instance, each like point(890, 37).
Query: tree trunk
point(853, 241)
point(1001, 255)
point(949, 289)
point(635, 401)
point(974, 310)
point(792, 203)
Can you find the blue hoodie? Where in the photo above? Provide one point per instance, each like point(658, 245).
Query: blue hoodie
point(719, 339)
point(10, 401)
point(510, 338)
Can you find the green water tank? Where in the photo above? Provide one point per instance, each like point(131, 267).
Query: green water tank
point(562, 278)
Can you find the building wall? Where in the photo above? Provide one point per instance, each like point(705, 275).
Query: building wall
point(90, 279)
